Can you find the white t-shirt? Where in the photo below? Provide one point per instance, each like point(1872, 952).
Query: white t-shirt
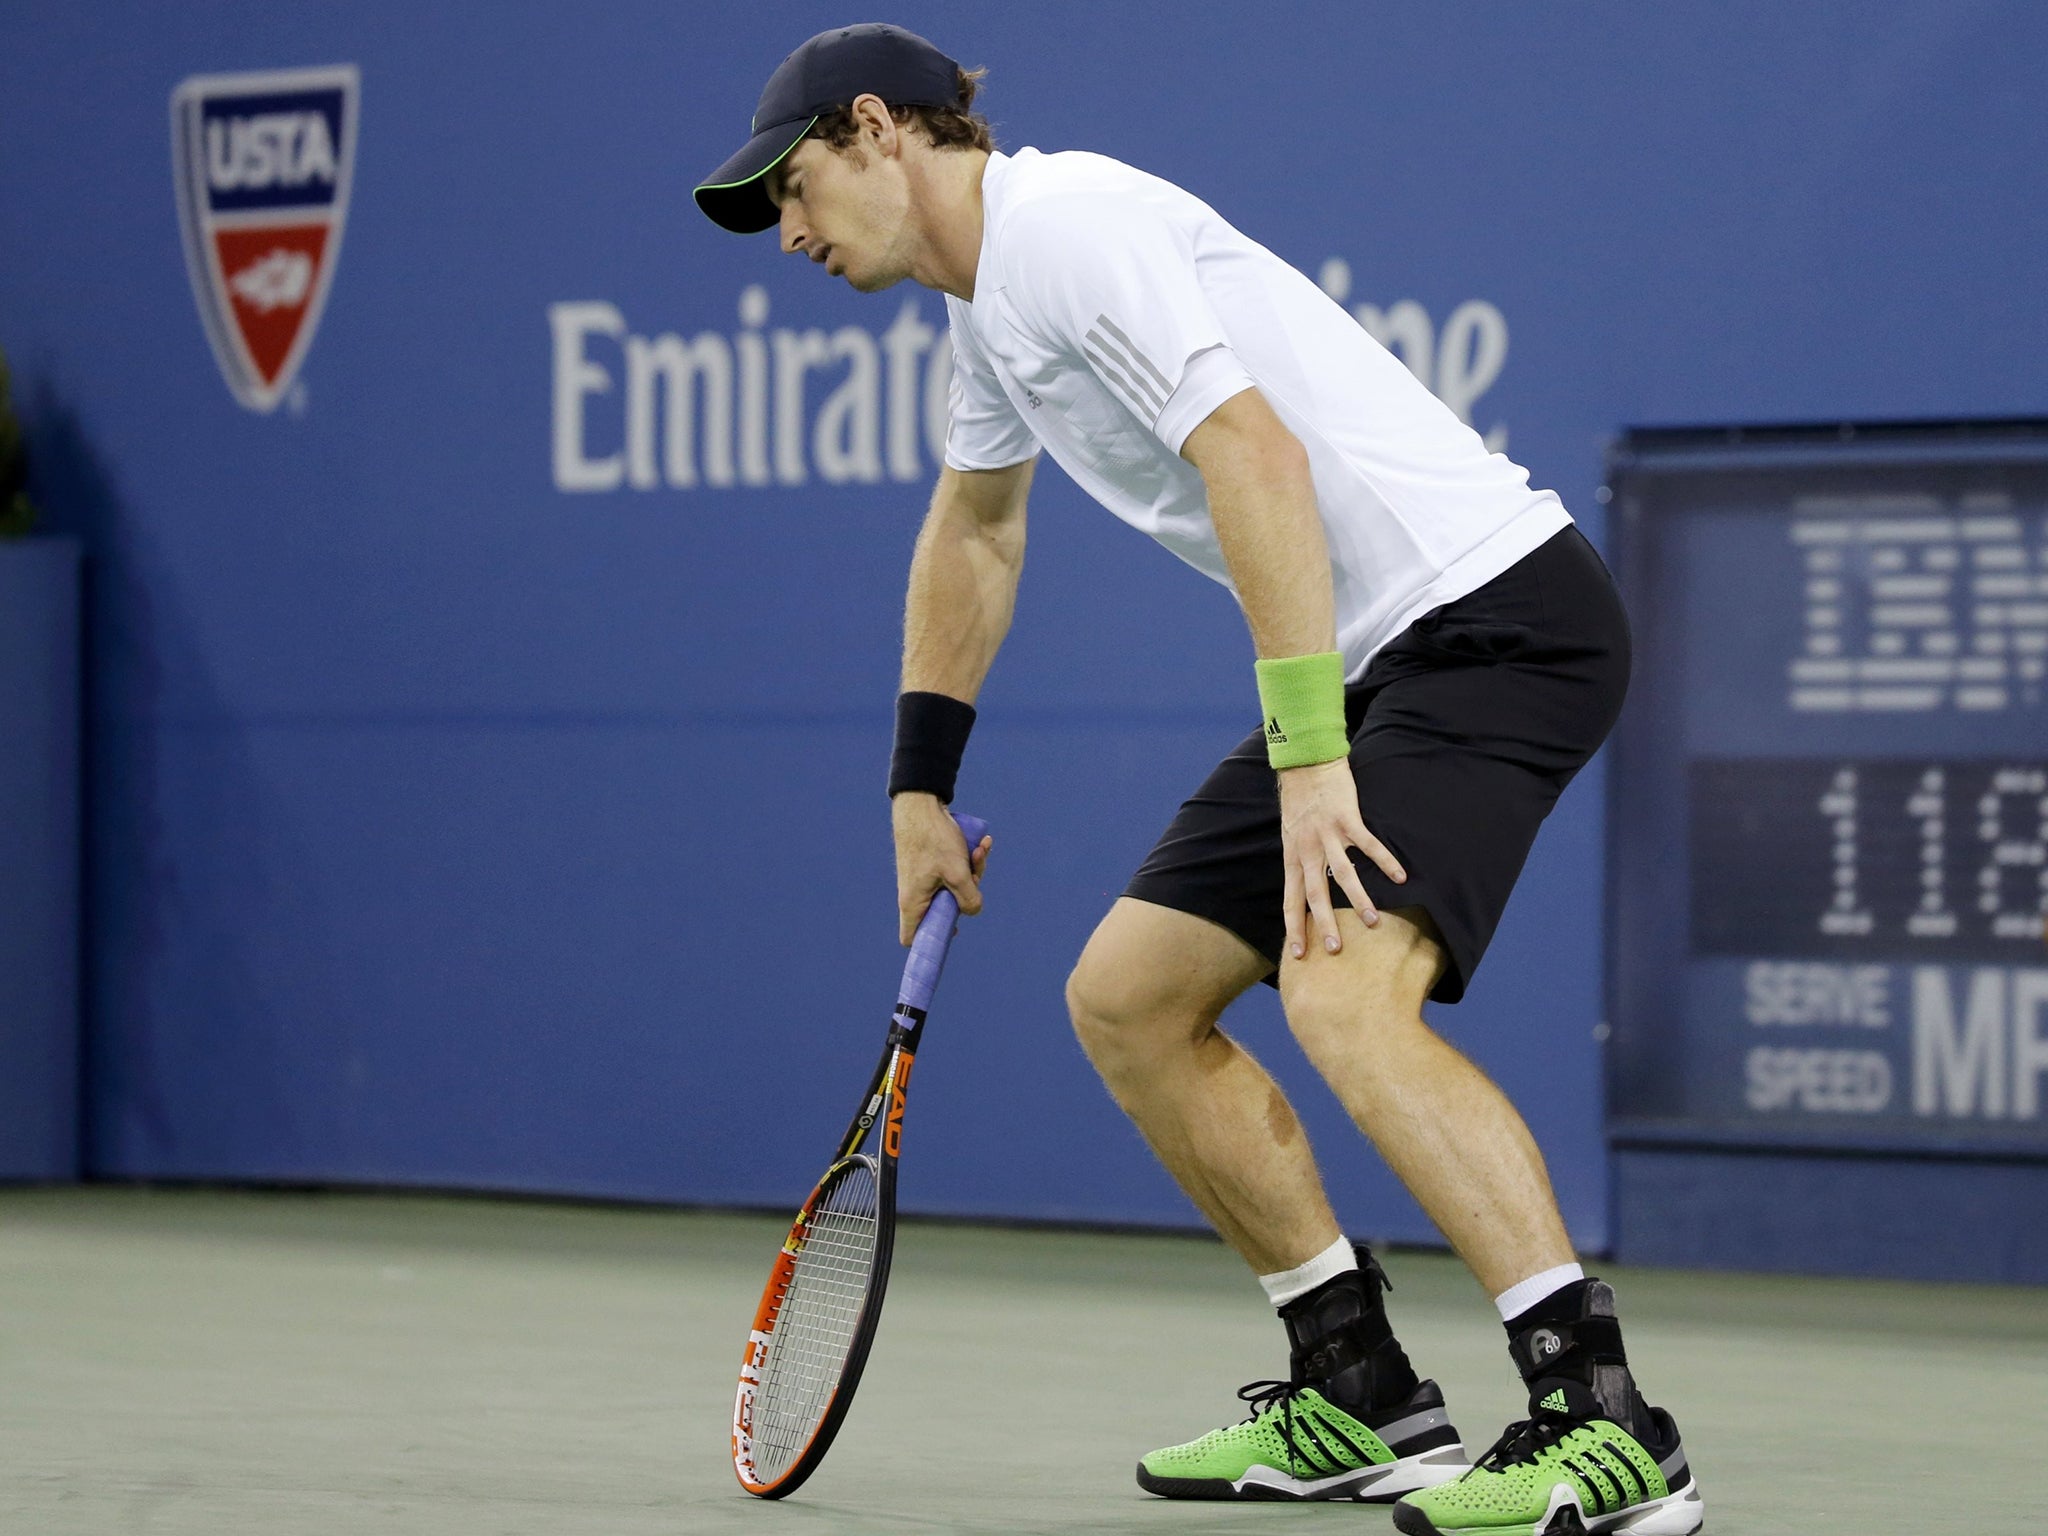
point(1113, 312)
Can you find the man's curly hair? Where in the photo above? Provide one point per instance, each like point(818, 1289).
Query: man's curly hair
point(957, 126)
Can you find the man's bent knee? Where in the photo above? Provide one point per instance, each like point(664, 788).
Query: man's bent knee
point(1151, 978)
point(1118, 1005)
point(1124, 1031)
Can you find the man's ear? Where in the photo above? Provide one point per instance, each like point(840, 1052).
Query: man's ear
point(872, 114)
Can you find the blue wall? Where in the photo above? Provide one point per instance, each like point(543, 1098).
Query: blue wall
point(450, 827)
point(39, 858)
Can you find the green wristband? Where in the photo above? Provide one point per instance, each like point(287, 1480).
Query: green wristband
point(1303, 700)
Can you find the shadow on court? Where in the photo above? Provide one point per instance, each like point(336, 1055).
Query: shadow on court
point(211, 1363)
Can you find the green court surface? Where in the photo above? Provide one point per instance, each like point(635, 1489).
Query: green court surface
point(220, 1363)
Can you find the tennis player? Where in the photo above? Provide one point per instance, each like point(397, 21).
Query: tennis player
point(1439, 652)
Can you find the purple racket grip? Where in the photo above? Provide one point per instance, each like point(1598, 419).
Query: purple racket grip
point(934, 934)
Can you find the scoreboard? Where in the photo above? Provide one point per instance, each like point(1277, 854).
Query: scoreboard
point(1828, 825)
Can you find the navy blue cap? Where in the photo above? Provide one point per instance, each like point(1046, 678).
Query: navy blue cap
point(823, 75)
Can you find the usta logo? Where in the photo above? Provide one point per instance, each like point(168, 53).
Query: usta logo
point(268, 149)
point(260, 164)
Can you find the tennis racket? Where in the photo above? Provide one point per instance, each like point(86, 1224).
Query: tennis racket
point(824, 1295)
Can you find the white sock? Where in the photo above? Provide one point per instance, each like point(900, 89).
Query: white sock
point(1524, 1294)
point(1291, 1284)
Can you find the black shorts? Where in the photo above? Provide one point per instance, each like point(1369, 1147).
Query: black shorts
point(1464, 731)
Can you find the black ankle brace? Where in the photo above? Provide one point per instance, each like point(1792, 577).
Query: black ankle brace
point(1341, 1343)
point(1568, 1349)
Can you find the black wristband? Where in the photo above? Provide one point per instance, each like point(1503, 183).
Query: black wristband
point(931, 738)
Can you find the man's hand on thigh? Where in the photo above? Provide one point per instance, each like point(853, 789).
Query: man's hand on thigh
point(1319, 826)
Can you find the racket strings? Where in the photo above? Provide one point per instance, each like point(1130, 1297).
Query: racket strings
point(815, 1325)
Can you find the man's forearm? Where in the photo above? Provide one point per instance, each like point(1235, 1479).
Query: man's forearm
point(963, 589)
point(1263, 504)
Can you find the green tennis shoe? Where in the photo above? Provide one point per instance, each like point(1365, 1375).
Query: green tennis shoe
point(1566, 1472)
point(1297, 1444)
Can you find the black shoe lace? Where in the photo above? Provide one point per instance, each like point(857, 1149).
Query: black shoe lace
point(1525, 1440)
point(1262, 1396)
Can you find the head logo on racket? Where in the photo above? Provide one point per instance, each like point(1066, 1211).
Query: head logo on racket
point(892, 1129)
